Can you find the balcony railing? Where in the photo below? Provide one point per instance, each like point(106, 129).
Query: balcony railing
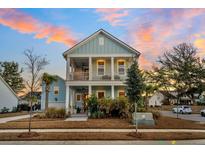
point(79, 76)
point(84, 76)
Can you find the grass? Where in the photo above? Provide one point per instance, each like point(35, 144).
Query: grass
point(4, 115)
point(101, 136)
point(161, 123)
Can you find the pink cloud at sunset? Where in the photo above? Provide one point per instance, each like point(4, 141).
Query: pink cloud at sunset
point(159, 29)
point(24, 23)
point(113, 16)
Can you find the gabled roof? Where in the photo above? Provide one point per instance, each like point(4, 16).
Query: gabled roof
point(105, 33)
point(5, 83)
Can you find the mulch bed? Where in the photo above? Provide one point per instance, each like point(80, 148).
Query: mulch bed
point(101, 136)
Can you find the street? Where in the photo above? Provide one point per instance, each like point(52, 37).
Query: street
point(192, 117)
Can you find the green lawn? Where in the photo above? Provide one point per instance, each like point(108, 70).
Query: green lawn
point(4, 115)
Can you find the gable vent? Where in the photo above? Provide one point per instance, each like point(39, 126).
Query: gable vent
point(101, 41)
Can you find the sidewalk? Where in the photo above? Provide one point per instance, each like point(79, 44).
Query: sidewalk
point(99, 130)
point(7, 119)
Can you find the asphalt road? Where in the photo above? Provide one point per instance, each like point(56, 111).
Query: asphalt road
point(119, 142)
point(192, 117)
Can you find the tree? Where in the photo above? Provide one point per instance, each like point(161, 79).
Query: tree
point(10, 72)
point(181, 70)
point(134, 84)
point(34, 65)
point(48, 79)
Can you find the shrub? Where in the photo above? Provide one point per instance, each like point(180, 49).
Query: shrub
point(55, 113)
point(23, 107)
point(120, 107)
point(92, 104)
point(156, 115)
point(14, 109)
point(4, 110)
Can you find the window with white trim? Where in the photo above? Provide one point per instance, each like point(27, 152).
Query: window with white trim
point(100, 94)
point(78, 97)
point(56, 90)
point(121, 93)
point(101, 67)
point(121, 67)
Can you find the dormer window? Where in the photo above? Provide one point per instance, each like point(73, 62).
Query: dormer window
point(121, 67)
point(101, 41)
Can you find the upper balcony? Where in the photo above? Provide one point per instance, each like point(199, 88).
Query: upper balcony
point(97, 69)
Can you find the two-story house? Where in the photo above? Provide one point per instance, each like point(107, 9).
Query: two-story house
point(96, 65)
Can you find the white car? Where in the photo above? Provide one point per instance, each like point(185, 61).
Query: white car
point(202, 113)
point(182, 109)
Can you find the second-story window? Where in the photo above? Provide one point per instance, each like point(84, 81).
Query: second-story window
point(101, 67)
point(121, 67)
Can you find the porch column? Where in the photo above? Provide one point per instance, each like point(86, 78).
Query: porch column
point(112, 92)
point(89, 90)
point(68, 68)
point(112, 68)
point(71, 100)
point(90, 68)
point(67, 99)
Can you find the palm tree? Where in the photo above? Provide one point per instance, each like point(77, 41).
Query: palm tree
point(48, 79)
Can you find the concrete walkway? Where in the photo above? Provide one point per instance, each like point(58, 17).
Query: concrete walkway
point(114, 142)
point(7, 119)
point(99, 130)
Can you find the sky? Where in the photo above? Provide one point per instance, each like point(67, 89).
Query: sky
point(50, 32)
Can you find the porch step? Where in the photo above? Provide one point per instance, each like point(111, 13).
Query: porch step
point(77, 117)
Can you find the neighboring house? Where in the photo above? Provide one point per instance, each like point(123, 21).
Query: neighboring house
point(8, 98)
point(162, 97)
point(56, 94)
point(156, 99)
point(97, 65)
point(24, 99)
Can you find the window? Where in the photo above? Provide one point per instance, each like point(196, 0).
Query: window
point(101, 41)
point(56, 90)
point(121, 93)
point(101, 67)
point(78, 97)
point(101, 94)
point(121, 67)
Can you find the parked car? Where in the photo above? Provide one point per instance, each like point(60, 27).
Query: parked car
point(182, 110)
point(202, 113)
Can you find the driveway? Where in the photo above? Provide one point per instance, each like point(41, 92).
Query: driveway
point(192, 117)
point(7, 119)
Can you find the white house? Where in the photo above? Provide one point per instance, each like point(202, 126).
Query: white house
point(8, 98)
point(156, 99)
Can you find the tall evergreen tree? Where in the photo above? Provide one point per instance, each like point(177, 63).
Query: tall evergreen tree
point(134, 84)
point(11, 73)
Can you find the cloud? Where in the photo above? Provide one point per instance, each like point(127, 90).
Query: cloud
point(114, 16)
point(24, 23)
point(159, 29)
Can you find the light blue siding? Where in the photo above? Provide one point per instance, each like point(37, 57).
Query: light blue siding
point(92, 47)
point(53, 98)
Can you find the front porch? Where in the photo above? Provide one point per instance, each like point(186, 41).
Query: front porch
point(76, 95)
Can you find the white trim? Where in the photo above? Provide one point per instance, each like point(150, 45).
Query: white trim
point(104, 66)
point(102, 55)
point(69, 51)
point(97, 91)
point(9, 87)
point(93, 83)
point(124, 67)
